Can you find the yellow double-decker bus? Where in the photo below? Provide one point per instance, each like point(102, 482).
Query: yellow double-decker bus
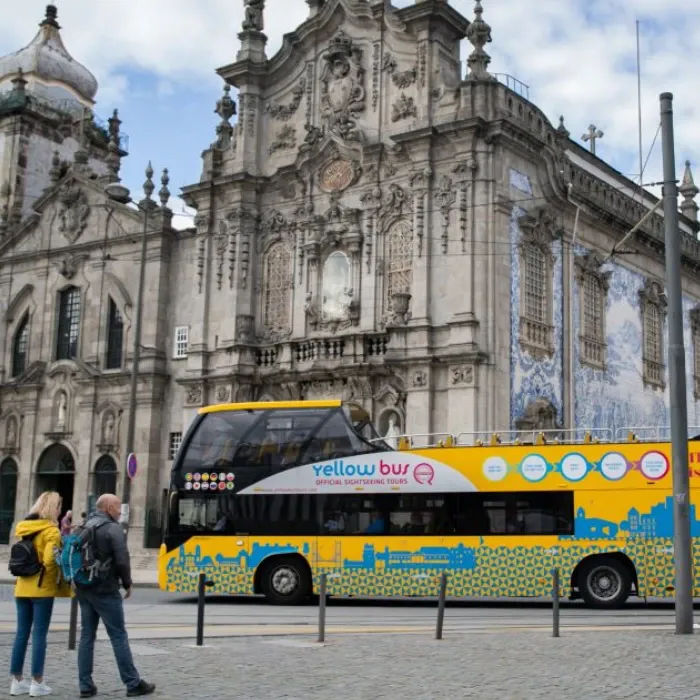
point(265, 497)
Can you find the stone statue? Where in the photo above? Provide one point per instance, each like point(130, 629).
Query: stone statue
point(392, 431)
point(108, 430)
point(61, 413)
point(253, 15)
point(11, 432)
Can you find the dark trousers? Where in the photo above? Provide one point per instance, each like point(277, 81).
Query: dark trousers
point(33, 615)
point(109, 608)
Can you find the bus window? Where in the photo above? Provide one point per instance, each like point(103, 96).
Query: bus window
point(336, 438)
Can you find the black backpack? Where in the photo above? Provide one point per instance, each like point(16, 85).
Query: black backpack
point(24, 560)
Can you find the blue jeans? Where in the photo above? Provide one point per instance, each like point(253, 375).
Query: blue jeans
point(109, 608)
point(33, 614)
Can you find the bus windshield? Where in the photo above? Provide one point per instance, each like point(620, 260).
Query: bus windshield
point(258, 443)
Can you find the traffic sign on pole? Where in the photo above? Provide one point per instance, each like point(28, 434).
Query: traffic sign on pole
point(131, 465)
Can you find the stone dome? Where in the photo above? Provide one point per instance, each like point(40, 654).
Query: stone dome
point(45, 59)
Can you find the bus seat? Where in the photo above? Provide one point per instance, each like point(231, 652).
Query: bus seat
point(540, 440)
point(495, 440)
point(404, 443)
point(631, 437)
point(449, 441)
point(291, 453)
point(587, 438)
point(267, 451)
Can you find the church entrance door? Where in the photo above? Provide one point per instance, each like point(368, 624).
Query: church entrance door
point(56, 472)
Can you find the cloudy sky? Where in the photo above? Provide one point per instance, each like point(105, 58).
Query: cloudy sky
point(155, 62)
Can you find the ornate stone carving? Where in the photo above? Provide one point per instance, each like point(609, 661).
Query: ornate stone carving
point(479, 33)
point(422, 62)
point(403, 108)
point(11, 434)
point(402, 79)
point(69, 265)
point(376, 49)
point(286, 138)
point(395, 200)
point(538, 229)
point(337, 175)
point(342, 87)
point(445, 197)
point(285, 112)
point(193, 394)
point(419, 378)
point(225, 108)
point(221, 243)
point(253, 20)
point(73, 212)
point(222, 393)
point(462, 374)
point(313, 135)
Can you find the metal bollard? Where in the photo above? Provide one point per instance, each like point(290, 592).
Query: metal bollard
point(73, 623)
point(555, 602)
point(201, 590)
point(322, 609)
point(441, 606)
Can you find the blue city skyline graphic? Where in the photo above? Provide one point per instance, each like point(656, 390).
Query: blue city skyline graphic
point(459, 557)
point(658, 522)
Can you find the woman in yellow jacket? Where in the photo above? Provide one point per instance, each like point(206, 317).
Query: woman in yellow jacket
point(34, 595)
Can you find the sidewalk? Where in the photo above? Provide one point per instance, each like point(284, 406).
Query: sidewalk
point(486, 665)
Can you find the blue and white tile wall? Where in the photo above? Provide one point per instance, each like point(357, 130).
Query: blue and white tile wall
point(532, 378)
point(612, 398)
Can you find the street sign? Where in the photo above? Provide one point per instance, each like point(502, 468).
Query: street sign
point(131, 465)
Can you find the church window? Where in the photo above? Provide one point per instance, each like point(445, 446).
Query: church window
point(277, 287)
point(115, 337)
point(593, 287)
point(536, 269)
point(68, 324)
point(399, 257)
point(653, 309)
point(19, 347)
point(181, 341)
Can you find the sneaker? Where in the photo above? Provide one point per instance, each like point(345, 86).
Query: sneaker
point(38, 689)
point(143, 688)
point(19, 687)
point(89, 693)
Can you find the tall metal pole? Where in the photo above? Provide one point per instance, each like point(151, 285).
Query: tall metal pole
point(148, 187)
point(682, 552)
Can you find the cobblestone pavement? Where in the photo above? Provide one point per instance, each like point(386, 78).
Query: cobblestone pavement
point(529, 665)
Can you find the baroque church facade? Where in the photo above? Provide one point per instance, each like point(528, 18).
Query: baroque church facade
point(375, 222)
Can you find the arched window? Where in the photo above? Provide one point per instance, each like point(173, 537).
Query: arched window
point(115, 336)
point(653, 308)
point(68, 324)
point(593, 286)
point(20, 346)
point(277, 277)
point(399, 257)
point(105, 479)
point(8, 493)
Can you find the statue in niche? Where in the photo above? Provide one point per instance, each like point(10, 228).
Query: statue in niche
point(390, 429)
point(11, 437)
point(108, 430)
point(61, 411)
point(342, 90)
point(311, 310)
point(253, 15)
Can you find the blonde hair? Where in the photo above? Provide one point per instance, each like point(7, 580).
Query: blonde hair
point(47, 506)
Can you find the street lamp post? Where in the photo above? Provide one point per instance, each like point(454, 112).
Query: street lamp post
point(682, 543)
point(145, 205)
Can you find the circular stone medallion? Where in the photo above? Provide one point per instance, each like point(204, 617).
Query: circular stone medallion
point(337, 175)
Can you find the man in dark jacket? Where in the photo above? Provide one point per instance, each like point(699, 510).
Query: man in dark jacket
point(102, 601)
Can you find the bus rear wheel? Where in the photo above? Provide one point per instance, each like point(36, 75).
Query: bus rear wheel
point(604, 582)
point(286, 581)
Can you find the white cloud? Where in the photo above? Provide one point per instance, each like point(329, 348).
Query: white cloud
point(578, 56)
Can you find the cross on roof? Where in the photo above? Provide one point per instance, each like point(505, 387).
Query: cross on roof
point(591, 135)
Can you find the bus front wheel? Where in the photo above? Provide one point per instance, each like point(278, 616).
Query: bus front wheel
point(604, 582)
point(286, 581)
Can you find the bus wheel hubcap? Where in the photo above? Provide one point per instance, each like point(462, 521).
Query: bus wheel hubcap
point(604, 583)
point(285, 580)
